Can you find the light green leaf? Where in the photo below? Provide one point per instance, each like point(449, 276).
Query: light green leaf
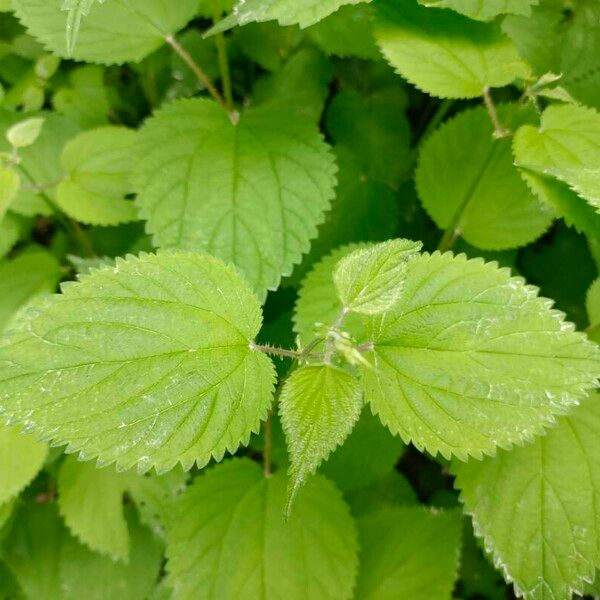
point(10, 230)
point(565, 147)
point(471, 359)
point(443, 53)
point(85, 574)
point(116, 31)
point(24, 278)
point(21, 458)
point(76, 10)
point(5, 5)
point(485, 10)
point(9, 188)
point(90, 501)
point(229, 539)
point(285, 12)
point(319, 406)
point(99, 165)
point(593, 309)
point(251, 193)
point(148, 362)
point(467, 181)
point(536, 507)
point(25, 133)
point(371, 280)
point(408, 552)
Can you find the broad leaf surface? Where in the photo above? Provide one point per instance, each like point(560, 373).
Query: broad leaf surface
point(471, 358)
point(466, 180)
point(485, 10)
point(408, 552)
point(229, 539)
point(9, 187)
point(146, 363)
point(116, 31)
point(443, 53)
point(319, 406)
point(536, 507)
point(98, 164)
point(252, 193)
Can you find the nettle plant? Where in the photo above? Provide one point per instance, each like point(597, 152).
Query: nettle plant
point(294, 236)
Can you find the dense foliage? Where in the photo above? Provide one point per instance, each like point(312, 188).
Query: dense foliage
point(303, 346)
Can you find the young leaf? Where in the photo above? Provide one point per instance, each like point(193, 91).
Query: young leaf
point(408, 552)
point(116, 31)
point(9, 188)
point(251, 193)
point(467, 181)
point(536, 507)
point(319, 406)
point(565, 147)
point(148, 362)
point(469, 56)
point(229, 539)
point(485, 10)
point(285, 12)
point(90, 501)
point(25, 133)
point(593, 309)
point(99, 165)
point(21, 458)
point(471, 359)
point(370, 280)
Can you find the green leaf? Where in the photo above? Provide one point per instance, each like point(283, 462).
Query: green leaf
point(90, 501)
point(566, 147)
point(34, 551)
point(24, 278)
point(471, 359)
point(319, 406)
point(99, 165)
point(485, 10)
point(443, 53)
point(11, 227)
point(593, 309)
point(408, 552)
point(148, 362)
point(467, 181)
point(21, 458)
point(116, 31)
point(25, 133)
point(371, 280)
point(268, 44)
point(285, 12)
point(251, 193)
point(536, 507)
point(229, 539)
point(85, 574)
point(76, 10)
point(9, 188)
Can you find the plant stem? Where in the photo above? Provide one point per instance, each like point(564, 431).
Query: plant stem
point(222, 53)
point(592, 329)
point(499, 130)
point(197, 70)
point(273, 350)
point(329, 343)
point(448, 239)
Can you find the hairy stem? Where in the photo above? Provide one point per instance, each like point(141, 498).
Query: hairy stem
point(274, 351)
point(499, 130)
point(222, 53)
point(329, 343)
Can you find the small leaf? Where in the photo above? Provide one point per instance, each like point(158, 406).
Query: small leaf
point(471, 359)
point(469, 56)
point(319, 406)
point(21, 458)
point(9, 188)
point(408, 552)
point(371, 280)
point(25, 133)
point(536, 507)
point(146, 363)
point(99, 165)
point(229, 539)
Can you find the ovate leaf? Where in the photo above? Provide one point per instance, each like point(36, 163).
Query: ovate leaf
point(444, 53)
point(536, 507)
point(467, 181)
point(252, 193)
point(408, 552)
point(116, 31)
point(229, 539)
point(565, 147)
point(485, 10)
point(148, 362)
point(319, 406)
point(471, 359)
point(91, 502)
point(25, 133)
point(99, 165)
point(9, 187)
point(21, 458)
point(370, 280)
